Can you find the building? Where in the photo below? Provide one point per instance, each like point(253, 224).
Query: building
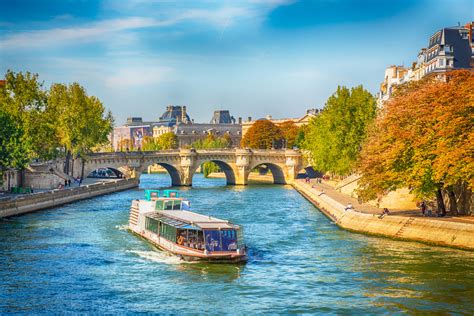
point(298, 121)
point(448, 49)
point(222, 117)
point(176, 120)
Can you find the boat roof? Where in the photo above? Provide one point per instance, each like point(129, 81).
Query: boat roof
point(187, 219)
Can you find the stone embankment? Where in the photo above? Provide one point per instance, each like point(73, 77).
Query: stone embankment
point(37, 201)
point(451, 232)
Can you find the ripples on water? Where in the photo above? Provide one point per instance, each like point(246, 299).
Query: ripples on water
point(80, 258)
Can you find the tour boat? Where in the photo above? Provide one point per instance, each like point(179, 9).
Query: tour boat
point(164, 218)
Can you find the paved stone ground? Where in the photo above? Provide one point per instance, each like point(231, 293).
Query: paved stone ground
point(367, 208)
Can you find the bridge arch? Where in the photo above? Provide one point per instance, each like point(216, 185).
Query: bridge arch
point(172, 171)
point(277, 171)
point(105, 172)
point(224, 166)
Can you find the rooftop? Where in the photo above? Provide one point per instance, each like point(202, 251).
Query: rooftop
point(181, 218)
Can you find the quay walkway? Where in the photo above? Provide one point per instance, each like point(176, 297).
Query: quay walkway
point(457, 232)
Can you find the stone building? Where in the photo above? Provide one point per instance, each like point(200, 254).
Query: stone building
point(448, 49)
point(176, 120)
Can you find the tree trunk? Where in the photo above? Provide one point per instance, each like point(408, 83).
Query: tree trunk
point(68, 158)
point(72, 167)
point(82, 168)
point(452, 202)
point(440, 201)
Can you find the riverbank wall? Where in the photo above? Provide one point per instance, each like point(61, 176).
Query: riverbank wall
point(42, 200)
point(435, 231)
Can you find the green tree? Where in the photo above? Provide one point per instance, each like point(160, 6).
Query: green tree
point(263, 134)
point(15, 148)
point(24, 98)
point(167, 141)
point(82, 122)
point(334, 137)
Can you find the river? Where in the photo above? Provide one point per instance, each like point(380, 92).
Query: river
point(80, 258)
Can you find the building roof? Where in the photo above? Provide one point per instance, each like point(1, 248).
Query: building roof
point(222, 117)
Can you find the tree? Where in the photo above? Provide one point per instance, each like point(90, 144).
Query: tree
point(15, 148)
point(334, 137)
point(289, 132)
point(423, 140)
point(263, 134)
point(82, 122)
point(149, 143)
point(167, 141)
point(301, 136)
point(24, 99)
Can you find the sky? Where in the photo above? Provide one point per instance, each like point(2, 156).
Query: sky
point(253, 57)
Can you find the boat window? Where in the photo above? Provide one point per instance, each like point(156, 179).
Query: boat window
point(159, 205)
point(213, 240)
point(151, 225)
point(168, 232)
point(229, 240)
point(177, 205)
point(168, 205)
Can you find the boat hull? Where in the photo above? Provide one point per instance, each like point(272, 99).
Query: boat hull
point(188, 254)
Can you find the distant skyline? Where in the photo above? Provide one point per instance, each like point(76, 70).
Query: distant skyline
point(253, 58)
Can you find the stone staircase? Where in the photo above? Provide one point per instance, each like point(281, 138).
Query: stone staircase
point(402, 229)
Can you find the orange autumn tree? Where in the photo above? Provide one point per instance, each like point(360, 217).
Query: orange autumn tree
point(423, 139)
point(289, 132)
point(263, 134)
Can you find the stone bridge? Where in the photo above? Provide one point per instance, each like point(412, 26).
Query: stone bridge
point(181, 164)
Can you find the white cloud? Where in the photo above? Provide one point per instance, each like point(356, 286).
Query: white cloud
point(84, 33)
point(221, 17)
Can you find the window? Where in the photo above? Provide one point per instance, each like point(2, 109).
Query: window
point(177, 205)
point(159, 205)
point(168, 205)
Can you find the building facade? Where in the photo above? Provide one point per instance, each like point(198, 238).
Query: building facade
point(175, 120)
point(448, 49)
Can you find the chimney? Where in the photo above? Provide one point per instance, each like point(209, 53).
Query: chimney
point(240, 120)
point(250, 118)
point(183, 114)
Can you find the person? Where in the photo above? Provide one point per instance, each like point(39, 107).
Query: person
point(423, 208)
point(321, 193)
point(180, 240)
point(384, 212)
point(348, 207)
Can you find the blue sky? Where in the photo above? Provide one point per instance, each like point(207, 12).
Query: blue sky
point(253, 57)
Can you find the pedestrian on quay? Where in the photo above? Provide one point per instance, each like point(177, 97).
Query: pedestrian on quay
point(423, 208)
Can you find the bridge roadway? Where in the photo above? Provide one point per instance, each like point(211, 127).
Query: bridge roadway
point(181, 164)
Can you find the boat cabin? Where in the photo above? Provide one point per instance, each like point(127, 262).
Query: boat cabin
point(166, 200)
point(195, 231)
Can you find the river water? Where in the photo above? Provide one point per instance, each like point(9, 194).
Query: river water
point(80, 258)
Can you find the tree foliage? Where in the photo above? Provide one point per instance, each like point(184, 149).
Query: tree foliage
point(334, 137)
point(423, 140)
point(14, 145)
point(163, 142)
point(289, 132)
point(82, 122)
point(63, 119)
point(263, 134)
